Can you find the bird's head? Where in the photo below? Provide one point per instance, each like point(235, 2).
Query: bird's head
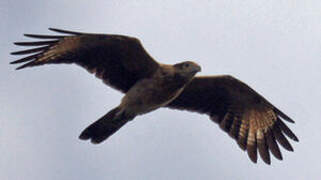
point(187, 69)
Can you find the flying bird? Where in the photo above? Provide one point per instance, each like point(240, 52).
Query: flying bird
point(123, 64)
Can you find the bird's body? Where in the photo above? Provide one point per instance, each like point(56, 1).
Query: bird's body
point(122, 63)
point(152, 93)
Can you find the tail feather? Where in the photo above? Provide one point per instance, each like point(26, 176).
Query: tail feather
point(105, 126)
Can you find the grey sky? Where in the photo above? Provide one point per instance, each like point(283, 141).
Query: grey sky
point(274, 46)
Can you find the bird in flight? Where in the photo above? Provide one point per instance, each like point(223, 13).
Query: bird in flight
point(122, 63)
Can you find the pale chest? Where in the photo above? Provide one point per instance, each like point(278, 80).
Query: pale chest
point(151, 94)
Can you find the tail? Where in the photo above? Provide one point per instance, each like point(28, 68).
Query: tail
point(105, 126)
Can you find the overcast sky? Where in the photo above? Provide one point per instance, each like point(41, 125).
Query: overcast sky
point(274, 46)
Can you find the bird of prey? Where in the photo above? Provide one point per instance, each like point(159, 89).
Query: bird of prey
point(123, 63)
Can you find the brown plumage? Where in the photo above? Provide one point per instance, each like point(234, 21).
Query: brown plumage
point(122, 63)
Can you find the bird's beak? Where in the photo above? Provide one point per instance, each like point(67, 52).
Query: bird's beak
point(198, 68)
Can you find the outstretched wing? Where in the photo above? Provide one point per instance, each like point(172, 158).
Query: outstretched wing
point(120, 61)
point(248, 118)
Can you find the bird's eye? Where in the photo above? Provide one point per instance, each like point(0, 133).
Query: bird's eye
point(186, 65)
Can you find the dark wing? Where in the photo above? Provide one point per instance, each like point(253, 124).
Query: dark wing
point(119, 60)
point(248, 118)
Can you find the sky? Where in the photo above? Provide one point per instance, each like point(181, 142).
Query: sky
point(273, 46)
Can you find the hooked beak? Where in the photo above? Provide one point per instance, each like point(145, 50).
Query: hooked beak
point(197, 68)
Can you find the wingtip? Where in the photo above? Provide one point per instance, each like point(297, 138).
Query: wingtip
point(290, 120)
point(252, 153)
point(14, 62)
point(64, 31)
point(14, 53)
point(253, 160)
point(29, 35)
point(279, 157)
point(19, 43)
point(287, 118)
point(286, 130)
point(21, 67)
point(290, 148)
point(294, 138)
point(268, 162)
point(53, 29)
point(39, 36)
point(283, 116)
